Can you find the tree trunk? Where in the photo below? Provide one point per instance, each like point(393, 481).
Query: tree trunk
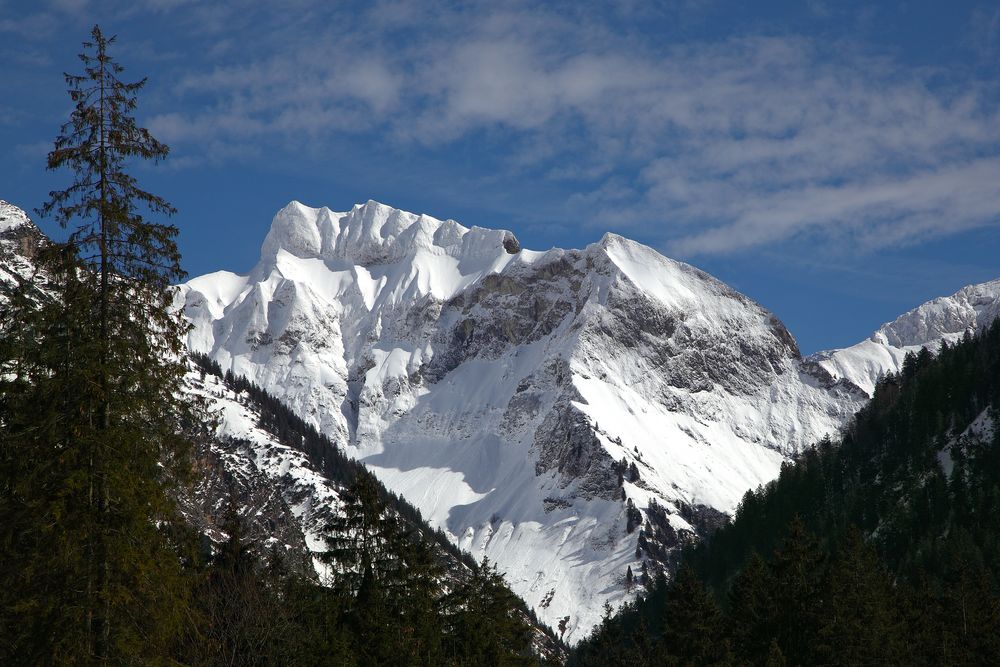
point(104, 626)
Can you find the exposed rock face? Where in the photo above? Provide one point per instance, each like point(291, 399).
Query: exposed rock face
point(502, 390)
point(565, 443)
point(229, 480)
point(283, 498)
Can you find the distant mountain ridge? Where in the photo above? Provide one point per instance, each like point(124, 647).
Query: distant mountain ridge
point(946, 318)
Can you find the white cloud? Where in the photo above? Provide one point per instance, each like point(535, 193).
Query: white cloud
point(876, 214)
point(37, 26)
point(724, 145)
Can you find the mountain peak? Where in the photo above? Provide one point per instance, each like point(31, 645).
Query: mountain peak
point(504, 390)
point(19, 234)
point(375, 233)
point(294, 229)
point(946, 317)
point(12, 217)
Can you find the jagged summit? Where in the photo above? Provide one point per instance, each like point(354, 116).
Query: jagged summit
point(970, 308)
point(373, 233)
point(12, 217)
point(20, 241)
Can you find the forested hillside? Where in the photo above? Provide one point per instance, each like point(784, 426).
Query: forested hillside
point(883, 548)
point(424, 601)
point(104, 558)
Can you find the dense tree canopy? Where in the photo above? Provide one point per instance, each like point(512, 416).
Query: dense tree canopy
point(883, 548)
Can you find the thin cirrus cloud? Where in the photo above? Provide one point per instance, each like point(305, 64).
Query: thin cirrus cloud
point(712, 147)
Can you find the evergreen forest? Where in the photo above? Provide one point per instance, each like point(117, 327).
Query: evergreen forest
point(879, 549)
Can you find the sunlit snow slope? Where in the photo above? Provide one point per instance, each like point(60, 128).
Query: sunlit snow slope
point(499, 389)
point(946, 318)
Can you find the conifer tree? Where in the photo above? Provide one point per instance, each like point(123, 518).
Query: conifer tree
point(483, 623)
point(693, 634)
point(860, 619)
point(103, 358)
point(358, 538)
point(751, 611)
point(387, 576)
point(44, 533)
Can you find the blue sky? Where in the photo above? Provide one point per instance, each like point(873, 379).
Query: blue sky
point(838, 162)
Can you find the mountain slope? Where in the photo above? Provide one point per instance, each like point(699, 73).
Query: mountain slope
point(289, 483)
point(536, 406)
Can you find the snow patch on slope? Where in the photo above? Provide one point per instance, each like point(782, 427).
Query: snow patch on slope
point(311, 497)
point(12, 217)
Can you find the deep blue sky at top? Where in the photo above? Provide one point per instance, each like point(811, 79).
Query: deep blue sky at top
point(839, 162)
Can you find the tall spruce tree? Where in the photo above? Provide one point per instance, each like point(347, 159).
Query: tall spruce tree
point(93, 419)
point(694, 631)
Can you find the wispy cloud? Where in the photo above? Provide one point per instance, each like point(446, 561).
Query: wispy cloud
point(717, 145)
point(36, 26)
point(984, 32)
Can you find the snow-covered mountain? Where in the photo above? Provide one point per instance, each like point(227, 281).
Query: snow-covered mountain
point(20, 240)
point(946, 318)
point(569, 414)
point(549, 410)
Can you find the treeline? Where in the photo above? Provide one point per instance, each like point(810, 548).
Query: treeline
point(883, 548)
